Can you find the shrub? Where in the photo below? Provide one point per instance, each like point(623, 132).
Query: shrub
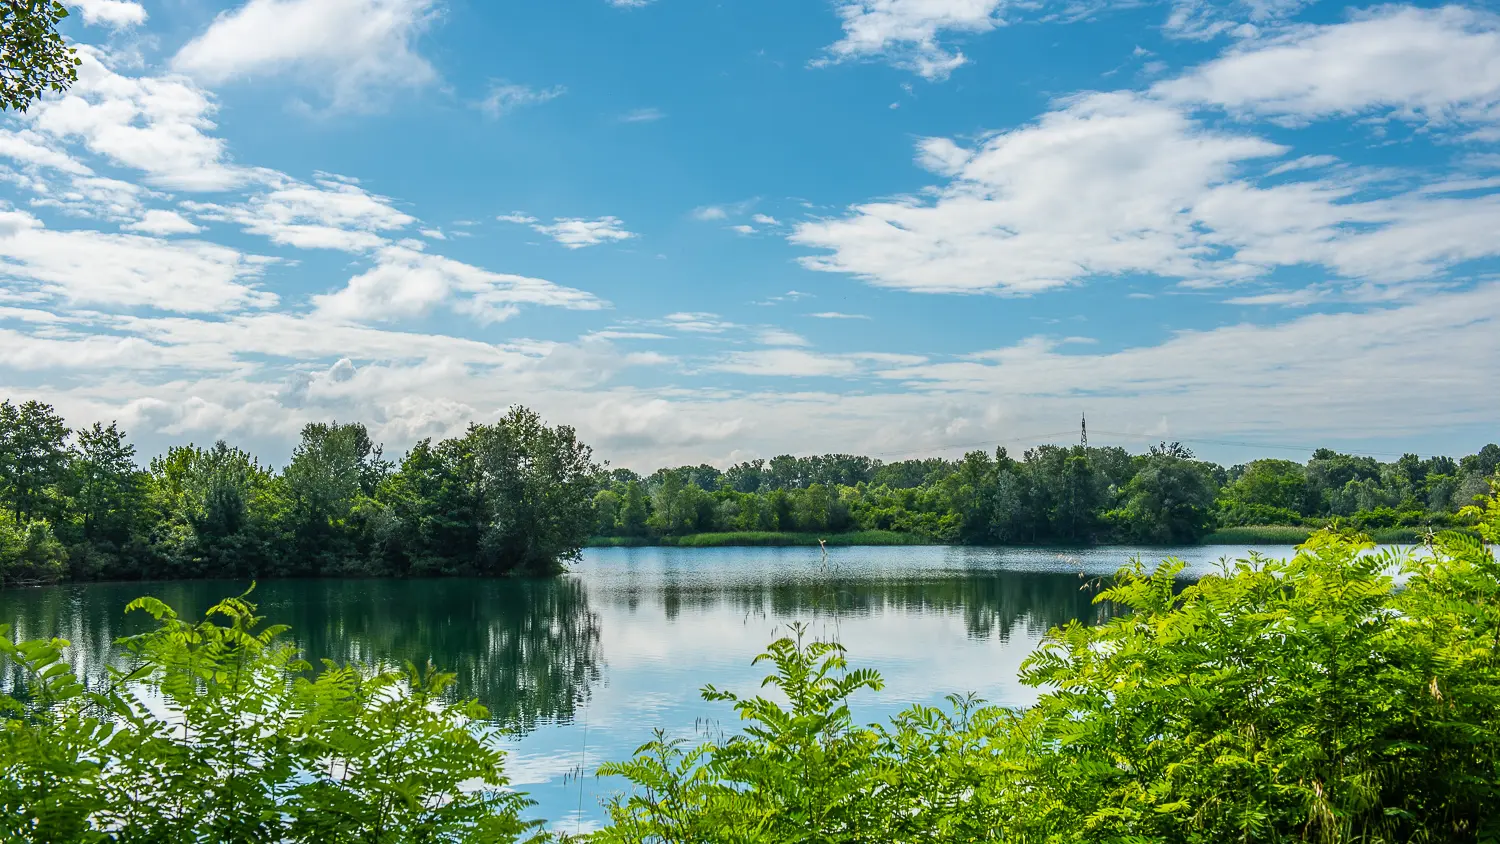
point(1276, 701)
point(218, 732)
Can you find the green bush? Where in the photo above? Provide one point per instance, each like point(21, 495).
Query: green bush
point(30, 553)
point(217, 732)
point(1275, 701)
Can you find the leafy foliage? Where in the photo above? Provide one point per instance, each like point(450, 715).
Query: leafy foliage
point(216, 731)
point(1277, 701)
point(33, 56)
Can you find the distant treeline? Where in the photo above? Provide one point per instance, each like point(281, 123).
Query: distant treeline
point(1053, 494)
point(518, 496)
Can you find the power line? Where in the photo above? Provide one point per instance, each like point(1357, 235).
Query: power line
point(1030, 438)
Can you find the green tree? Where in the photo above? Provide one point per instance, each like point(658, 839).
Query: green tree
point(606, 512)
point(333, 469)
point(537, 484)
point(107, 483)
point(635, 511)
point(1169, 501)
point(34, 58)
point(33, 458)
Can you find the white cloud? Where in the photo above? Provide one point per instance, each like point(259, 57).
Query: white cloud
point(330, 214)
point(798, 363)
point(406, 283)
point(723, 211)
point(95, 197)
point(1205, 19)
point(1435, 66)
point(766, 220)
point(123, 270)
point(160, 222)
point(359, 51)
point(630, 4)
point(837, 315)
point(742, 229)
point(697, 322)
point(575, 232)
point(157, 125)
point(1098, 187)
point(781, 337)
point(1119, 183)
point(642, 115)
point(31, 149)
point(117, 14)
point(505, 97)
point(906, 32)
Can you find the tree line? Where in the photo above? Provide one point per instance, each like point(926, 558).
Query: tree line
point(514, 496)
point(520, 496)
point(1053, 494)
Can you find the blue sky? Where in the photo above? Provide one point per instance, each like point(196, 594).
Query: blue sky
point(710, 231)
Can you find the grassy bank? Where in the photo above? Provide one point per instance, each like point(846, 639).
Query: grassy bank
point(762, 538)
point(1293, 535)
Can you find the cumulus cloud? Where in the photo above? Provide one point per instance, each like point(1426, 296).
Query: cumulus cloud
point(357, 51)
point(1122, 182)
point(907, 32)
point(1101, 186)
point(116, 14)
point(1436, 66)
point(406, 283)
point(157, 125)
point(160, 222)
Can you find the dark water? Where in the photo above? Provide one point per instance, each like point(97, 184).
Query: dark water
point(583, 667)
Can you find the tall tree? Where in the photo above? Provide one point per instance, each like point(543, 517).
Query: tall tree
point(537, 484)
point(33, 457)
point(107, 482)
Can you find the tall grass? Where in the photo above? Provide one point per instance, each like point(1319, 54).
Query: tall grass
point(1259, 535)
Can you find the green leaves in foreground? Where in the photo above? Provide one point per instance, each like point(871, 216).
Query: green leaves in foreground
point(1300, 700)
point(1339, 696)
point(219, 732)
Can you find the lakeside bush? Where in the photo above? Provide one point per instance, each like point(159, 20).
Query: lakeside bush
point(1298, 700)
point(218, 731)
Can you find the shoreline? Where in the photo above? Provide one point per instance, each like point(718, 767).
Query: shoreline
point(1266, 534)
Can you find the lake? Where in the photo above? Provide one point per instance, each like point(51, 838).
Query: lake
point(581, 668)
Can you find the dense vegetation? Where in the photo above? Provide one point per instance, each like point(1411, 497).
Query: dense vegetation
point(1277, 701)
point(514, 496)
point(519, 496)
point(1072, 495)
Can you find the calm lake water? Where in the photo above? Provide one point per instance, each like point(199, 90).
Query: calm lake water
point(583, 667)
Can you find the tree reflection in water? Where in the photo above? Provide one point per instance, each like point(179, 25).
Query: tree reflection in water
point(528, 649)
